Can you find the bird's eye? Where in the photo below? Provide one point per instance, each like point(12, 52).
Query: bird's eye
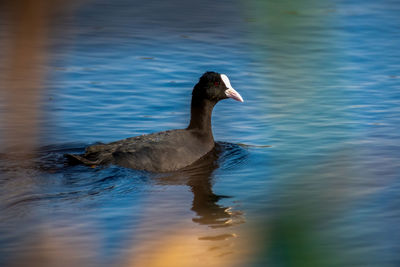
point(216, 83)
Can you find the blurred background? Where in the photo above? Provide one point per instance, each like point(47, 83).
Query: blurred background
point(305, 173)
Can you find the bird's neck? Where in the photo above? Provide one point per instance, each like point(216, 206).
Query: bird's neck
point(200, 116)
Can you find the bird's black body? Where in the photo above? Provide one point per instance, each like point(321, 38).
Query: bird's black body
point(169, 150)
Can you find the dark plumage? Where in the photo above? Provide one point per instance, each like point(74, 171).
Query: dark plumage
point(170, 150)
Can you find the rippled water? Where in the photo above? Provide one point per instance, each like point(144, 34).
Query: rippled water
point(305, 170)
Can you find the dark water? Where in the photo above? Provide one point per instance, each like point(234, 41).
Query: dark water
point(306, 170)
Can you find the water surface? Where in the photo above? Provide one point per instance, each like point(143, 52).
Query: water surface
point(306, 169)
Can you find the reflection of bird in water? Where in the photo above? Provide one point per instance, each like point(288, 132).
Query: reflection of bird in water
point(199, 177)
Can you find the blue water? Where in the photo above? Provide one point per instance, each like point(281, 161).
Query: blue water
point(315, 145)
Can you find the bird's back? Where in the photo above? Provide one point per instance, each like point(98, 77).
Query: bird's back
point(159, 152)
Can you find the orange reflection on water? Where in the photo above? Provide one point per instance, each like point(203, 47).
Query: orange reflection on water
point(182, 246)
point(28, 23)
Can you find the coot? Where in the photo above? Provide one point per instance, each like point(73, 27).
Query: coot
point(169, 150)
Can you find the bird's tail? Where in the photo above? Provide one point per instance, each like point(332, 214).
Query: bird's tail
point(78, 159)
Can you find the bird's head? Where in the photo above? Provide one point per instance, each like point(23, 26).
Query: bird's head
point(215, 87)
